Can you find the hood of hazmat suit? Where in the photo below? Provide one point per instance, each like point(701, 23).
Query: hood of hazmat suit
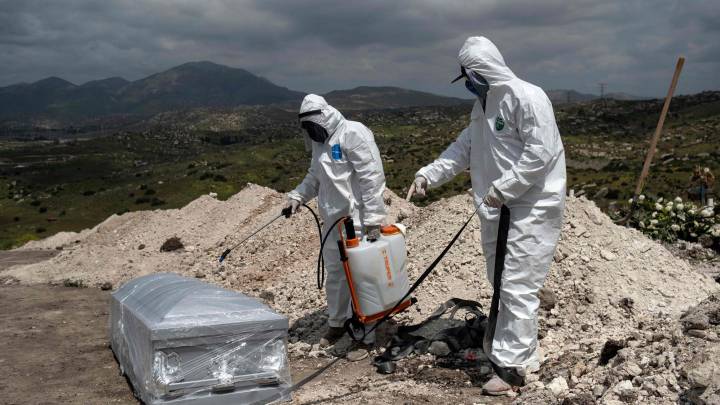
point(514, 145)
point(346, 172)
point(346, 175)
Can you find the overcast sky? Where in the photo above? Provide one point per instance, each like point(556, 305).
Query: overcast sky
point(317, 46)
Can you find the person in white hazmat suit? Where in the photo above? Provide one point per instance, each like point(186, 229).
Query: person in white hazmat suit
point(516, 158)
point(346, 175)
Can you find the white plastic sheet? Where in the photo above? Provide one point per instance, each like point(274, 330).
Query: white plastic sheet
point(180, 340)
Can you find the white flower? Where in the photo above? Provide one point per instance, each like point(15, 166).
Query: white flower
point(660, 200)
point(630, 201)
point(707, 213)
point(715, 231)
point(691, 211)
point(667, 208)
point(658, 207)
point(641, 224)
point(654, 214)
point(672, 214)
point(641, 197)
point(678, 200)
point(680, 207)
point(675, 227)
point(653, 222)
point(694, 235)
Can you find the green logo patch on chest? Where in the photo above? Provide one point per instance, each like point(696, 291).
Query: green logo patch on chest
point(499, 123)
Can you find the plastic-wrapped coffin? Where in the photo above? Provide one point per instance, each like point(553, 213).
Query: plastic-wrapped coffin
point(182, 341)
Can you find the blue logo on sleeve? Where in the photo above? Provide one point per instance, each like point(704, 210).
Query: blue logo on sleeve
point(336, 152)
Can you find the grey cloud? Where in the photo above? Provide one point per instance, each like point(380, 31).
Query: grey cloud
point(320, 45)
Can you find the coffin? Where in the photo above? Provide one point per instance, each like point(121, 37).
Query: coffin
point(182, 341)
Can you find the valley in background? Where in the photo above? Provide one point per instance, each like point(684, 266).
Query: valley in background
point(71, 178)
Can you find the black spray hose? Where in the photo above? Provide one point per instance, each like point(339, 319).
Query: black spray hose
point(286, 212)
point(320, 260)
point(227, 251)
point(353, 324)
point(324, 368)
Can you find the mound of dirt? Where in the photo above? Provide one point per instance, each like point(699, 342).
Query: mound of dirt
point(608, 282)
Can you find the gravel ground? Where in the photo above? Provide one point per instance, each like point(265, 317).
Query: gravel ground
point(609, 287)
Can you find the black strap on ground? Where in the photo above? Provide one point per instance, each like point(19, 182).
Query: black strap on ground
point(404, 343)
point(353, 324)
point(508, 375)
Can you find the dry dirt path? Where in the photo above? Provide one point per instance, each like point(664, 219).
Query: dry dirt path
point(9, 258)
point(55, 351)
point(55, 348)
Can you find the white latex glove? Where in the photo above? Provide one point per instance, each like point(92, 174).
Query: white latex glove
point(291, 207)
point(493, 198)
point(419, 187)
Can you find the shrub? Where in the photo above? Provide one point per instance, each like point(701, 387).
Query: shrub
point(74, 283)
point(172, 244)
point(156, 201)
point(670, 220)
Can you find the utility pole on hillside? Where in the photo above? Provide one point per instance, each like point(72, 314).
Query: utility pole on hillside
point(602, 89)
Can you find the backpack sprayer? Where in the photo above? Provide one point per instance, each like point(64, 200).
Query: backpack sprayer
point(376, 272)
point(365, 310)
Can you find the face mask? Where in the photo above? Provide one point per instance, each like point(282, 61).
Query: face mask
point(471, 88)
point(477, 85)
point(315, 131)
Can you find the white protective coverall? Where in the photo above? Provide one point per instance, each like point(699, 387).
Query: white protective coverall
point(349, 184)
point(515, 146)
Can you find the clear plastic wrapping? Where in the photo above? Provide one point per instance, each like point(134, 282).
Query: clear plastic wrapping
point(182, 341)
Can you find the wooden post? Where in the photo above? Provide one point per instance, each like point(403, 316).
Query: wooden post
point(654, 140)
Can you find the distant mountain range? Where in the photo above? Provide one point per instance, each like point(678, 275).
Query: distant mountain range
point(191, 85)
point(366, 97)
point(572, 96)
point(195, 85)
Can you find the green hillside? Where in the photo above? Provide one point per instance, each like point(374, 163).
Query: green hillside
point(48, 186)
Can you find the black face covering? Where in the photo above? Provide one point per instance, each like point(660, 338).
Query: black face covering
point(315, 131)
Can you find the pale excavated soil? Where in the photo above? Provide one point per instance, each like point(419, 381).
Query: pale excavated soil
point(608, 282)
